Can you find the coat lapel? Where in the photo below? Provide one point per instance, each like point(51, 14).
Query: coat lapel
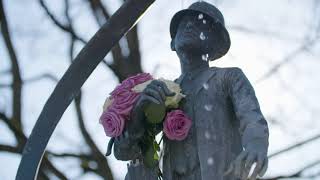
point(179, 79)
point(205, 77)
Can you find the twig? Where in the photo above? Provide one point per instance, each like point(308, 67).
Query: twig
point(34, 79)
point(5, 71)
point(15, 69)
point(260, 32)
point(40, 77)
point(297, 174)
point(290, 57)
point(73, 155)
point(59, 24)
point(11, 149)
point(21, 138)
point(71, 82)
point(46, 163)
point(121, 66)
point(103, 167)
point(295, 145)
point(68, 29)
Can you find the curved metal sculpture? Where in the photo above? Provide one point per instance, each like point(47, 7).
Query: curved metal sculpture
point(71, 82)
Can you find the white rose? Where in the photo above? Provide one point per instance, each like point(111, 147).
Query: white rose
point(171, 101)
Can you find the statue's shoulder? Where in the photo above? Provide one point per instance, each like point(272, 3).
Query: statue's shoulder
point(226, 74)
point(226, 70)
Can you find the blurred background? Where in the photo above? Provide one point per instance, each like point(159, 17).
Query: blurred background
point(276, 43)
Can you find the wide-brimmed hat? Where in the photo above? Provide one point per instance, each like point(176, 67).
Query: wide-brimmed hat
point(209, 11)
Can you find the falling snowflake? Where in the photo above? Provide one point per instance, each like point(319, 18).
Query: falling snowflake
point(210, 161)
point(202, 36)
point(207, 135)
point(205, 57)
point(208, 107)
point(200, 16)
point(205, 86)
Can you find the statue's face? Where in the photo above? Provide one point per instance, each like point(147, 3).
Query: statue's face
point(196, 34)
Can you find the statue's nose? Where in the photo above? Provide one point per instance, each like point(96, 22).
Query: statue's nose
point(189, 24)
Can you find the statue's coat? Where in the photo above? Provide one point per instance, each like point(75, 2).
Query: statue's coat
point(230, 120)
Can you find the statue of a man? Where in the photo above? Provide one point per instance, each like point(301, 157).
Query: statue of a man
point(229, 133)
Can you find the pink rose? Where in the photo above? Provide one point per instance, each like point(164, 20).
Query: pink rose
point(176, 125)
point(138, 79)
point(124, 86)
point(130, 82)
point(112, 122)
point(124, 101)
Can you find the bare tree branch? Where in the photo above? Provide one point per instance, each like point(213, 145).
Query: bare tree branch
point(99, 11)
point(21, 138)
point(15, 69)
point(290, 57)
point(122, 66)
point(295, 145)
point(103, 167)
point(134, 47)
point(14, 123)
point(298, 174)
point(16, 150)
point(47, 164)
point(5, 71)
point(4, 117)
point(41, 77)
point(260, 32)
point(69, 29)
point(62, 26)
point(34, 79)
point(73, 155)
point(5, 85)
point(8, 148)
point(96, 9)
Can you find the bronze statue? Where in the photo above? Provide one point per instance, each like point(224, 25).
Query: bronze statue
point(229, 133)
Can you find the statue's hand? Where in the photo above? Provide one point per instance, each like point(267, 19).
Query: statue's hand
point(125, 149)
point(255, 152)
point(155, 92)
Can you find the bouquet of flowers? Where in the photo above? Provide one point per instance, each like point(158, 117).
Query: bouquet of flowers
point(118, 106)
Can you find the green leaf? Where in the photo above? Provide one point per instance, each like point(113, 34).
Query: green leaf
point(156, 146)
point(156, 156)
point(155, 112)
point(149, 157)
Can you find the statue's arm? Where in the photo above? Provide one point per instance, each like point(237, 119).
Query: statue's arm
point(126, 146)
point(246, 106)
point(253, 126)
